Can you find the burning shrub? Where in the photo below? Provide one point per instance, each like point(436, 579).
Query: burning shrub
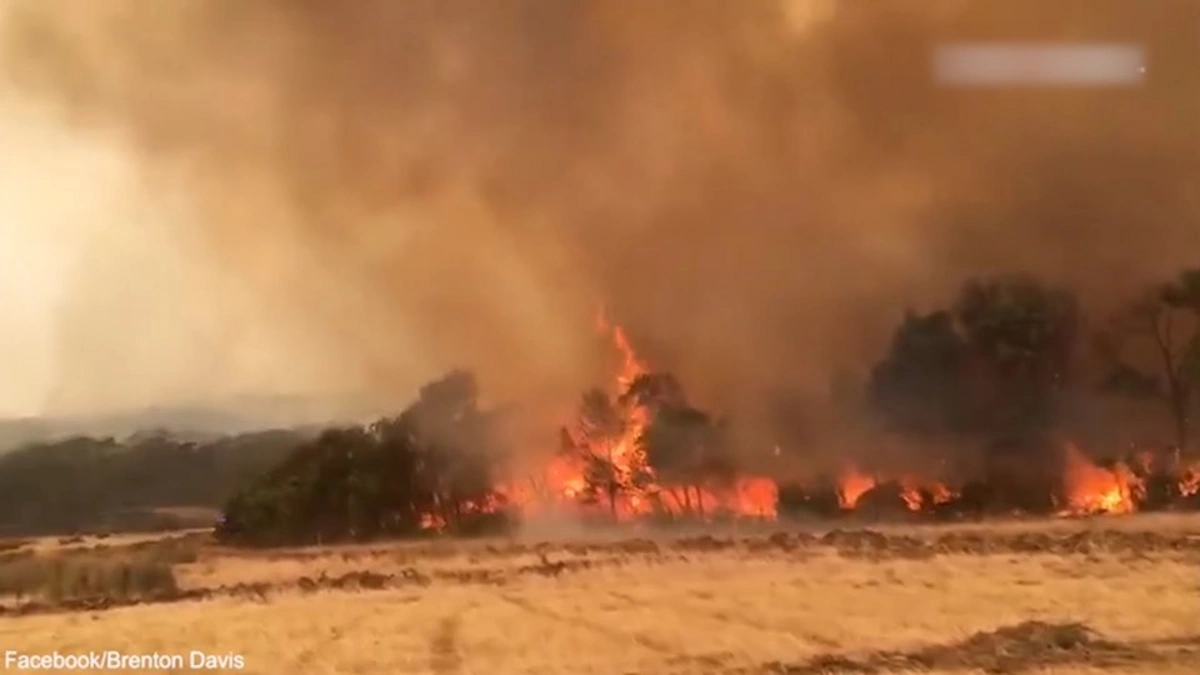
point(885, 501)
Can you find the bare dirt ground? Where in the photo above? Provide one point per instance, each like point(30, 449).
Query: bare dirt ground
point(1113, 595)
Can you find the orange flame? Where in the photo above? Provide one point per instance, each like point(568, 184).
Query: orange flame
point(1189, 483)
point(942, 494)
point(564, 478)
point(1091, 489)
point(755, 497)
point(852, 485)
point(632, 367)
point(919, 494)
point(912, 498)
point(562, 484)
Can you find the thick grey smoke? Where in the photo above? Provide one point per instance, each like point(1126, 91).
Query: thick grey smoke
point(757, 189)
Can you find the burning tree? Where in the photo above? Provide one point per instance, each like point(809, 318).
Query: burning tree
point(684, 446)
point(457, 449)
point(601, 444)
point(645, 449)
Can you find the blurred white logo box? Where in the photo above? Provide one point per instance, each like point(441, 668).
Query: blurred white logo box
point(1045, 64)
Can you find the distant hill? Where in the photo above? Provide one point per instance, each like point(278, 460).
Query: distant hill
point(151, 468)
point(192, 422)
point(148, 480)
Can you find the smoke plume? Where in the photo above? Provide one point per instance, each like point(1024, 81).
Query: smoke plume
point(755, 189)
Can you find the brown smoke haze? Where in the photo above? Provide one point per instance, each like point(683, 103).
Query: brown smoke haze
point(368, 193)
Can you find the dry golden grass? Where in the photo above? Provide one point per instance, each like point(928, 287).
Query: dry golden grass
point(738, 610)
point(1163, 523)
point(52, 544)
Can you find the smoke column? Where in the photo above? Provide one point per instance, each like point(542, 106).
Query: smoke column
point(364, 194)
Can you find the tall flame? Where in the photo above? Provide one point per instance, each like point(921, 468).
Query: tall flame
point(642, 493)
point(632, 367)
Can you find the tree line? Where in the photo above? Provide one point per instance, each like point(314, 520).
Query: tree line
point(442, 466)
point(1000, 365)
point(86, 484)
point(996, 366)
point(999, 361)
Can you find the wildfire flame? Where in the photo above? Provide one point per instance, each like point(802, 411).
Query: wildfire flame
point(1092, 489)
point(852, 485)
point(1189, 484)
point(920, 494)
point(565, 482)
point(632, 367)
point(917, 493)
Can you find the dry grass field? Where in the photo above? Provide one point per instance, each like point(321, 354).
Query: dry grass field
point(1115, 595)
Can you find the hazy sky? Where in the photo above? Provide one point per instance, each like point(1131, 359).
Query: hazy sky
point(54, 190)
point(105, 306)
